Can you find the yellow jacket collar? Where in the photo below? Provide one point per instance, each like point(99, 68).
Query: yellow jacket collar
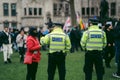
point(57, 30)
point(94, 27)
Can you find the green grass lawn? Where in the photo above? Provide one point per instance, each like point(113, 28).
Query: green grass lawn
point(74, 68)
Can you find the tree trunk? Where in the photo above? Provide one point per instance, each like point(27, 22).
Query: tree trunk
point(73, 15)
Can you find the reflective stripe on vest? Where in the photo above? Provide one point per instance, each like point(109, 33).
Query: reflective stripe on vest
point(57, 42)
point(95, 40)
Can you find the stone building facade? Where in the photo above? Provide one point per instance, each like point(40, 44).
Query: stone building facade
point(25, 13)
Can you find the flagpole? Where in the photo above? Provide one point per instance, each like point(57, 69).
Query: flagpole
point(88, 12)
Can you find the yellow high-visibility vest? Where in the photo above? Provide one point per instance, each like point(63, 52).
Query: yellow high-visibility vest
point(93, 39)
point(57, 41)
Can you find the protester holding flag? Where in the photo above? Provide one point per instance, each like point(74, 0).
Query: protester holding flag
point(67, 24)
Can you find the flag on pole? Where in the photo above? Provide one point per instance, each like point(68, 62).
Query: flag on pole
point(81, 24)
point(79, 20)
point(67, 24)
point(78, 17)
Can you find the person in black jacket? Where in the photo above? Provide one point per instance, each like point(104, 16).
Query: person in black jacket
point(109, 49)
point(7, 45)
point(0, 39)
point(117, 49)
point(74, 38)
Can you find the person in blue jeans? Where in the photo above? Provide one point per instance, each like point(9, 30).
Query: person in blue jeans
point(117, 49)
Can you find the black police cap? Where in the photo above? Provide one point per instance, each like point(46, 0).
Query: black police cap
point(92, 20)
point(57, 25)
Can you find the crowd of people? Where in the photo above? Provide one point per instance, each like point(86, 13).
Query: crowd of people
point(99, 45)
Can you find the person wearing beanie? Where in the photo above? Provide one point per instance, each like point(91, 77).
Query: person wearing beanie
point(109, 49)
point(33, 49)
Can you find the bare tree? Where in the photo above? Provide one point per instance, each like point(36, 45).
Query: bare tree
point(72, 11)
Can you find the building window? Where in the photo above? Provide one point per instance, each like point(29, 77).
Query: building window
point(97, 11)
point(88, 11)
point(35, 11)
point(13, 9)
point(30, 11)
point(5, 9)
point(55, 9)
point(14, 24)
point(113, 9)
point(83, 11)
point(25, 11)
point(92, 11)
point(58, 8)
point(6, 24)
point(67, 10)
point(119, 10)
point(40, 11)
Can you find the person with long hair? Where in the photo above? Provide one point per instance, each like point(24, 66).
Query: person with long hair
point(33, 49)
point(21, 41)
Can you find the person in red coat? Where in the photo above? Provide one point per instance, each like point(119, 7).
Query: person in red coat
point(33, 49)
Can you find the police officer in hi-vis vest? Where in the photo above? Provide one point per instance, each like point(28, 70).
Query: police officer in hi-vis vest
point(58, 43)
point(93, 41)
